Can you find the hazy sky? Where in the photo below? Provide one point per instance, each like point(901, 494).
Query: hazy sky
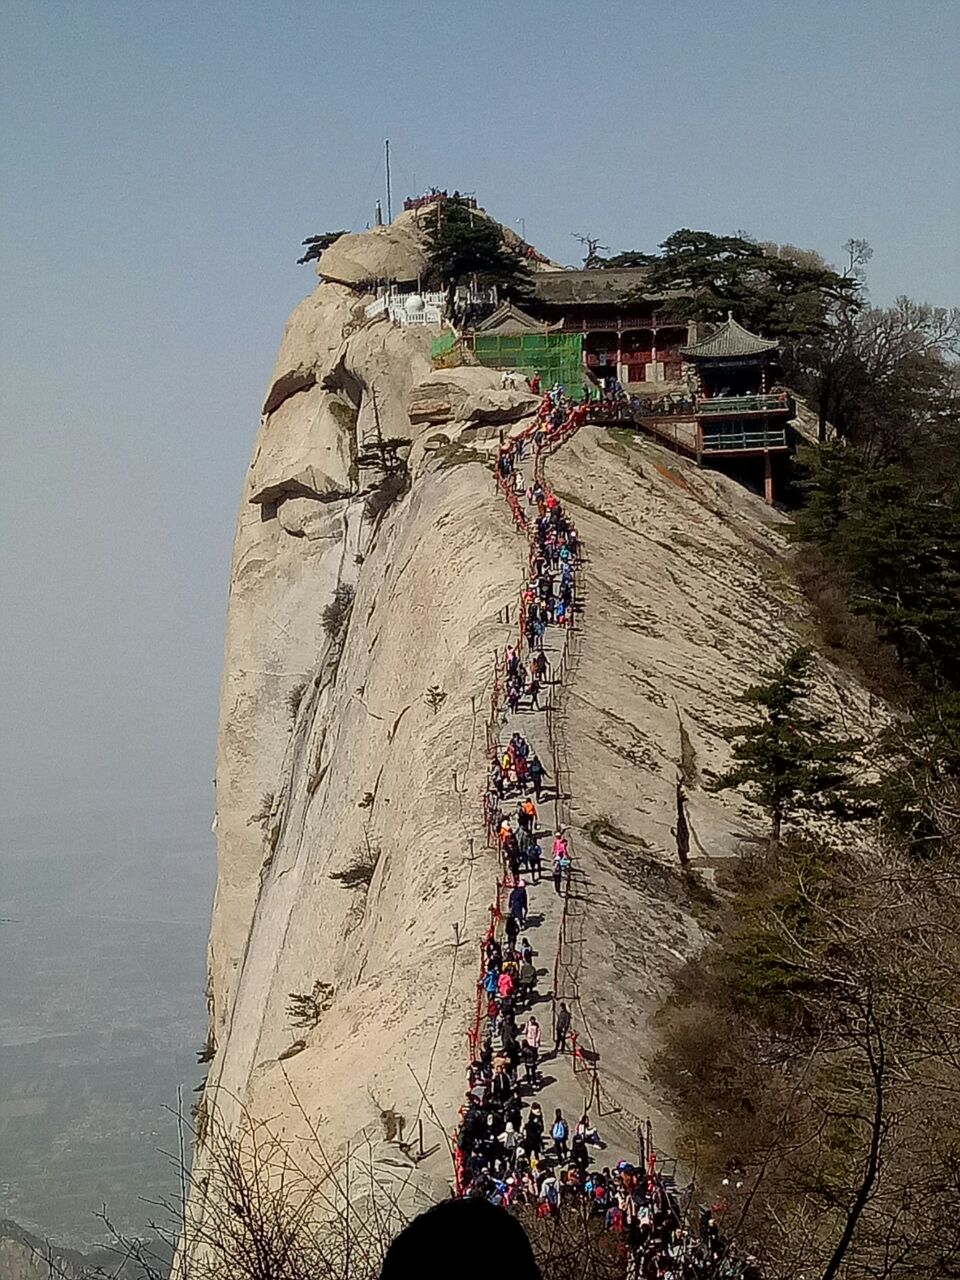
point(160, 165)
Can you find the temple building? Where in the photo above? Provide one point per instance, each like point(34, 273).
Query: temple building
point(511, 338)
point(625, 337)
point(741, 411)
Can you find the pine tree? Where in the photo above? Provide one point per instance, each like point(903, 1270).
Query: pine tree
point(463, 242)
point(787, 294)
point(315, 245)
point(902, 548)
point(786, 760)
point(829, 475)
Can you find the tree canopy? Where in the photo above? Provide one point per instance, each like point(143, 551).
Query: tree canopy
point(462, 242)
point(895, 538)
point(776, 290)
point(317, 244)
point(885, 378)
point(785, 759)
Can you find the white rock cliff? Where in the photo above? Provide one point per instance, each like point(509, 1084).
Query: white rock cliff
point(332, 759)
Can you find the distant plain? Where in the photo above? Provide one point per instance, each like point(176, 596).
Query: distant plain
point(103, 924)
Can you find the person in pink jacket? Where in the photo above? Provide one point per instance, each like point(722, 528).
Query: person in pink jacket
point(561, 861)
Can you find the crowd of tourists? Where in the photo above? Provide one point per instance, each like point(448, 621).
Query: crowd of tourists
point(504, 1139)
point(509, 1151)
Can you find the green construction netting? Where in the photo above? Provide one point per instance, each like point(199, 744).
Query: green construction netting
point(557, 357)
point(443, 345)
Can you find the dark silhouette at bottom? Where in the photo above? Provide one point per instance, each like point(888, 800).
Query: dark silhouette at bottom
point(461, 1238)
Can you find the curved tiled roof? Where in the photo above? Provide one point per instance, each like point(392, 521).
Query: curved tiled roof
point(729, 341)
point(612, 285)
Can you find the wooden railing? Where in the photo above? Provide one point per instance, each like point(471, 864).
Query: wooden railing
point(734, 405)
point(731, 441)
point(616, 323)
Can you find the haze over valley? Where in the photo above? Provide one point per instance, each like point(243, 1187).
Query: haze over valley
point(103, 923)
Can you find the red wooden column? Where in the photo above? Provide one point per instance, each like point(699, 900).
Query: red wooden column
point(767, 478)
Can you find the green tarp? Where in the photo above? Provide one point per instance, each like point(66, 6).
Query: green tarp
point(443, 345)
point(557, 357)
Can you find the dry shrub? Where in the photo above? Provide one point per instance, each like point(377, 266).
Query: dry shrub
point(574, 1244)
point(390, 490)
point(810, 1055)
point(360, 871)
point(336, 614)
point(307, 1008)
point(294, 698)
point(255, 1206)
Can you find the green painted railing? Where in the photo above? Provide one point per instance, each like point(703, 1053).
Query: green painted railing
point(720, 441)
point(724, 405)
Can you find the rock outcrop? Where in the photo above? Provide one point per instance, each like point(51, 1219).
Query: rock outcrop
point(393, 252)
point(351, 847)
point(469, 396)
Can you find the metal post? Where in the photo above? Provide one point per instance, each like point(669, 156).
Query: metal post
point(386, 149)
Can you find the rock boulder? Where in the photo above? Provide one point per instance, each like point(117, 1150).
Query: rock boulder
point(469, 395)
point(394, 252)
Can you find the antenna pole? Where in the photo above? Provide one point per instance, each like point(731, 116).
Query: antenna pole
point(386, 151)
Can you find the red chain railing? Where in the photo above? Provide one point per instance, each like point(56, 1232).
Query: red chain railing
point(549, 441)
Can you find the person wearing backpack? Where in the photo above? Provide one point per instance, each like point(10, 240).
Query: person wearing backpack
point(559, 1133)
point(536, 774)
point(561, 861)
point(534, 857)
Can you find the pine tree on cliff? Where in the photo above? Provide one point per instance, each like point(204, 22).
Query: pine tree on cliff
point(317, 244)
point(785, 760)
point(462, 243)
point(787, 294)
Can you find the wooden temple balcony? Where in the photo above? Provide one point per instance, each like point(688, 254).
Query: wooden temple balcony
point(742, 439)
point(745, 406)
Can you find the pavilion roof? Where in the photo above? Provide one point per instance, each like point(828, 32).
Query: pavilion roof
point(730, 341)
point(509, 320)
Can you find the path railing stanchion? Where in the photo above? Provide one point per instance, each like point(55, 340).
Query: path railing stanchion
point(507, 485)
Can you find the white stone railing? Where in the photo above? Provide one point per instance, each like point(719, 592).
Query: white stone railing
point(376, 308)
point(408, 308)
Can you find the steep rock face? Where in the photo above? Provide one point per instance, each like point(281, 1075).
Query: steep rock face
point(351, 850)
point(298, 535)
point(369, 768)
point(346, 804)
point(686, 601)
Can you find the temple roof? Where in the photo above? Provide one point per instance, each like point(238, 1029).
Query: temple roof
point(508, 320)
point(730, 341)
point(592, 285)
